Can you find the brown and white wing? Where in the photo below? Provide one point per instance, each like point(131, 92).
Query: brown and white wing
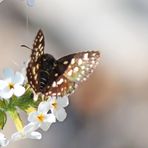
point(75, 68)
point(33, 65)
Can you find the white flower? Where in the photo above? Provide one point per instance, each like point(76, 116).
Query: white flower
point(27, 132)
point(57, 107)
point(12, 84)
point(3, 140)
point(30, 3)
point(41, 116)
point(24, 66)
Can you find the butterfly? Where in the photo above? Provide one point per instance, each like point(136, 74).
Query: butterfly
point(58, 77)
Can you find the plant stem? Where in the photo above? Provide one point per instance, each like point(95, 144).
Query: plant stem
point(16, 119)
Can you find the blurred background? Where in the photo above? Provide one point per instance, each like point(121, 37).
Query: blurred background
point(110, 110)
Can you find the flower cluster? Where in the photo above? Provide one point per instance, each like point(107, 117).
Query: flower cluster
point(14, 94)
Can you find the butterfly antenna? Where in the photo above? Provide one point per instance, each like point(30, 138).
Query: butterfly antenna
point(26, 47)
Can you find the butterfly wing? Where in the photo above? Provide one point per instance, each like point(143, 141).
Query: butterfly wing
point(73, 68)
point(34, 66)
point(82, 65)
point(61, 87)
point(38, 46)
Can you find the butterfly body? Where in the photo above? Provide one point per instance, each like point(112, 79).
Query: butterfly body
point(58, 77)
point(47, 65)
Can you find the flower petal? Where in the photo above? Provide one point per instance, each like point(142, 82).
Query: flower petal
point(8, 73)
point(3, 140)
point(34, 135)
point(18, 90)
point(17, 136)
point(63, 101)
point(45, 126)
point(44, 107)
point(30, 3)
point(18, 78)
point(1, 136)
point(50, 118)
point(60, 114)
point(31, 127)
point(53, 101)
point(3, 84)
point(32, 117)
point(6, 93)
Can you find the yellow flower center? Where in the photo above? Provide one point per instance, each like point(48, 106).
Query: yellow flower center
point(10, 85)
point(55, 105)
point(41, 117)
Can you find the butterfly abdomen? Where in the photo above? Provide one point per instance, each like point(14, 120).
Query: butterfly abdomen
point(48, 64)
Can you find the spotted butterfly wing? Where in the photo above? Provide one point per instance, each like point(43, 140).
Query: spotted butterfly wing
point(34, 66)
point(52, 77)
point(75, 68)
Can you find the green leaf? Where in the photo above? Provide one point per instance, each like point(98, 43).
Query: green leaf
point(3, 119)
point(24, 102)
point(2, 104)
